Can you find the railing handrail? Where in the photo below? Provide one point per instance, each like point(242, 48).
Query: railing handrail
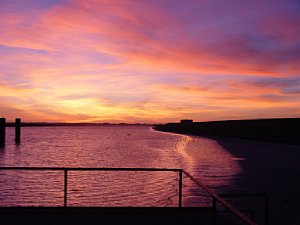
point(66, 169)
point(196, 181)
point(221, 200)
point(92, 168)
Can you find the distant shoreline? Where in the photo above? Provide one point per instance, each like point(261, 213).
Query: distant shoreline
point(285, 130)
point(42, 124)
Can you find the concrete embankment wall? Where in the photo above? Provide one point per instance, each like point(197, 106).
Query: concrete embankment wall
point(276, 130)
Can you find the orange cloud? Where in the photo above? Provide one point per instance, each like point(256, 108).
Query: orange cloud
point(89, 60)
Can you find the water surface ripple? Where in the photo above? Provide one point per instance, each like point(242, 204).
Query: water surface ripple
point(110, 146)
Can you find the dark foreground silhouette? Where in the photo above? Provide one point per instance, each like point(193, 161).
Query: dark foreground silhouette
point(275, 130)
point(104, 215)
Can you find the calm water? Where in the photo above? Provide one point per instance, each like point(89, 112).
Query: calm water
point(111, 146)
point(225, 164)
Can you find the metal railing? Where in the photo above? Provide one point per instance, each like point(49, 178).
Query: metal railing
point(262, 196)
point(216, 198)
point(65, 170)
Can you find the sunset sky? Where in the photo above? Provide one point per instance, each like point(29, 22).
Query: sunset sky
point(149, 60)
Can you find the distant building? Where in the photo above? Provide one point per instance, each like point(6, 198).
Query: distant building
point(186, 122)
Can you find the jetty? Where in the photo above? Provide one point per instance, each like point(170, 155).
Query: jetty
point(285, 130)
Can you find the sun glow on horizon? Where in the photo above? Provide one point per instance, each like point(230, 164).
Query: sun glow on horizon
point(148, 62)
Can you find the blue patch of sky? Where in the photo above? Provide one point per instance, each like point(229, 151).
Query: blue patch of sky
point(217, 19)
point(102, 58)
point(289, 81)
point(31, 10)
point(27, 5)
point(287, 85)
point(293, 6)
point(292, 90)
point(290, 53)
point(13, 78)
point(4, 50)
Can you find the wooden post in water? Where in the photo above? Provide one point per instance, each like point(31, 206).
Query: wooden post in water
point(18, 131)
point(2, 132)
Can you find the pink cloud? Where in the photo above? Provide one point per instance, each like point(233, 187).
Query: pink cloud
point(118, 50)
point(132, 34)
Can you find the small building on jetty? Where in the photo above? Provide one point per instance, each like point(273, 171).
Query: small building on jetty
point(186, 122)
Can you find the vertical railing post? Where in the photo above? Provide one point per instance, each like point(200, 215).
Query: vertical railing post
point(65, 186)
point(180, 188)
point(2, 132)
point(214, 211)
point(267, 216)
point(18, 131)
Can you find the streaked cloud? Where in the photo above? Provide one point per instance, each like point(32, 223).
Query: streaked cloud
point(149, 61)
